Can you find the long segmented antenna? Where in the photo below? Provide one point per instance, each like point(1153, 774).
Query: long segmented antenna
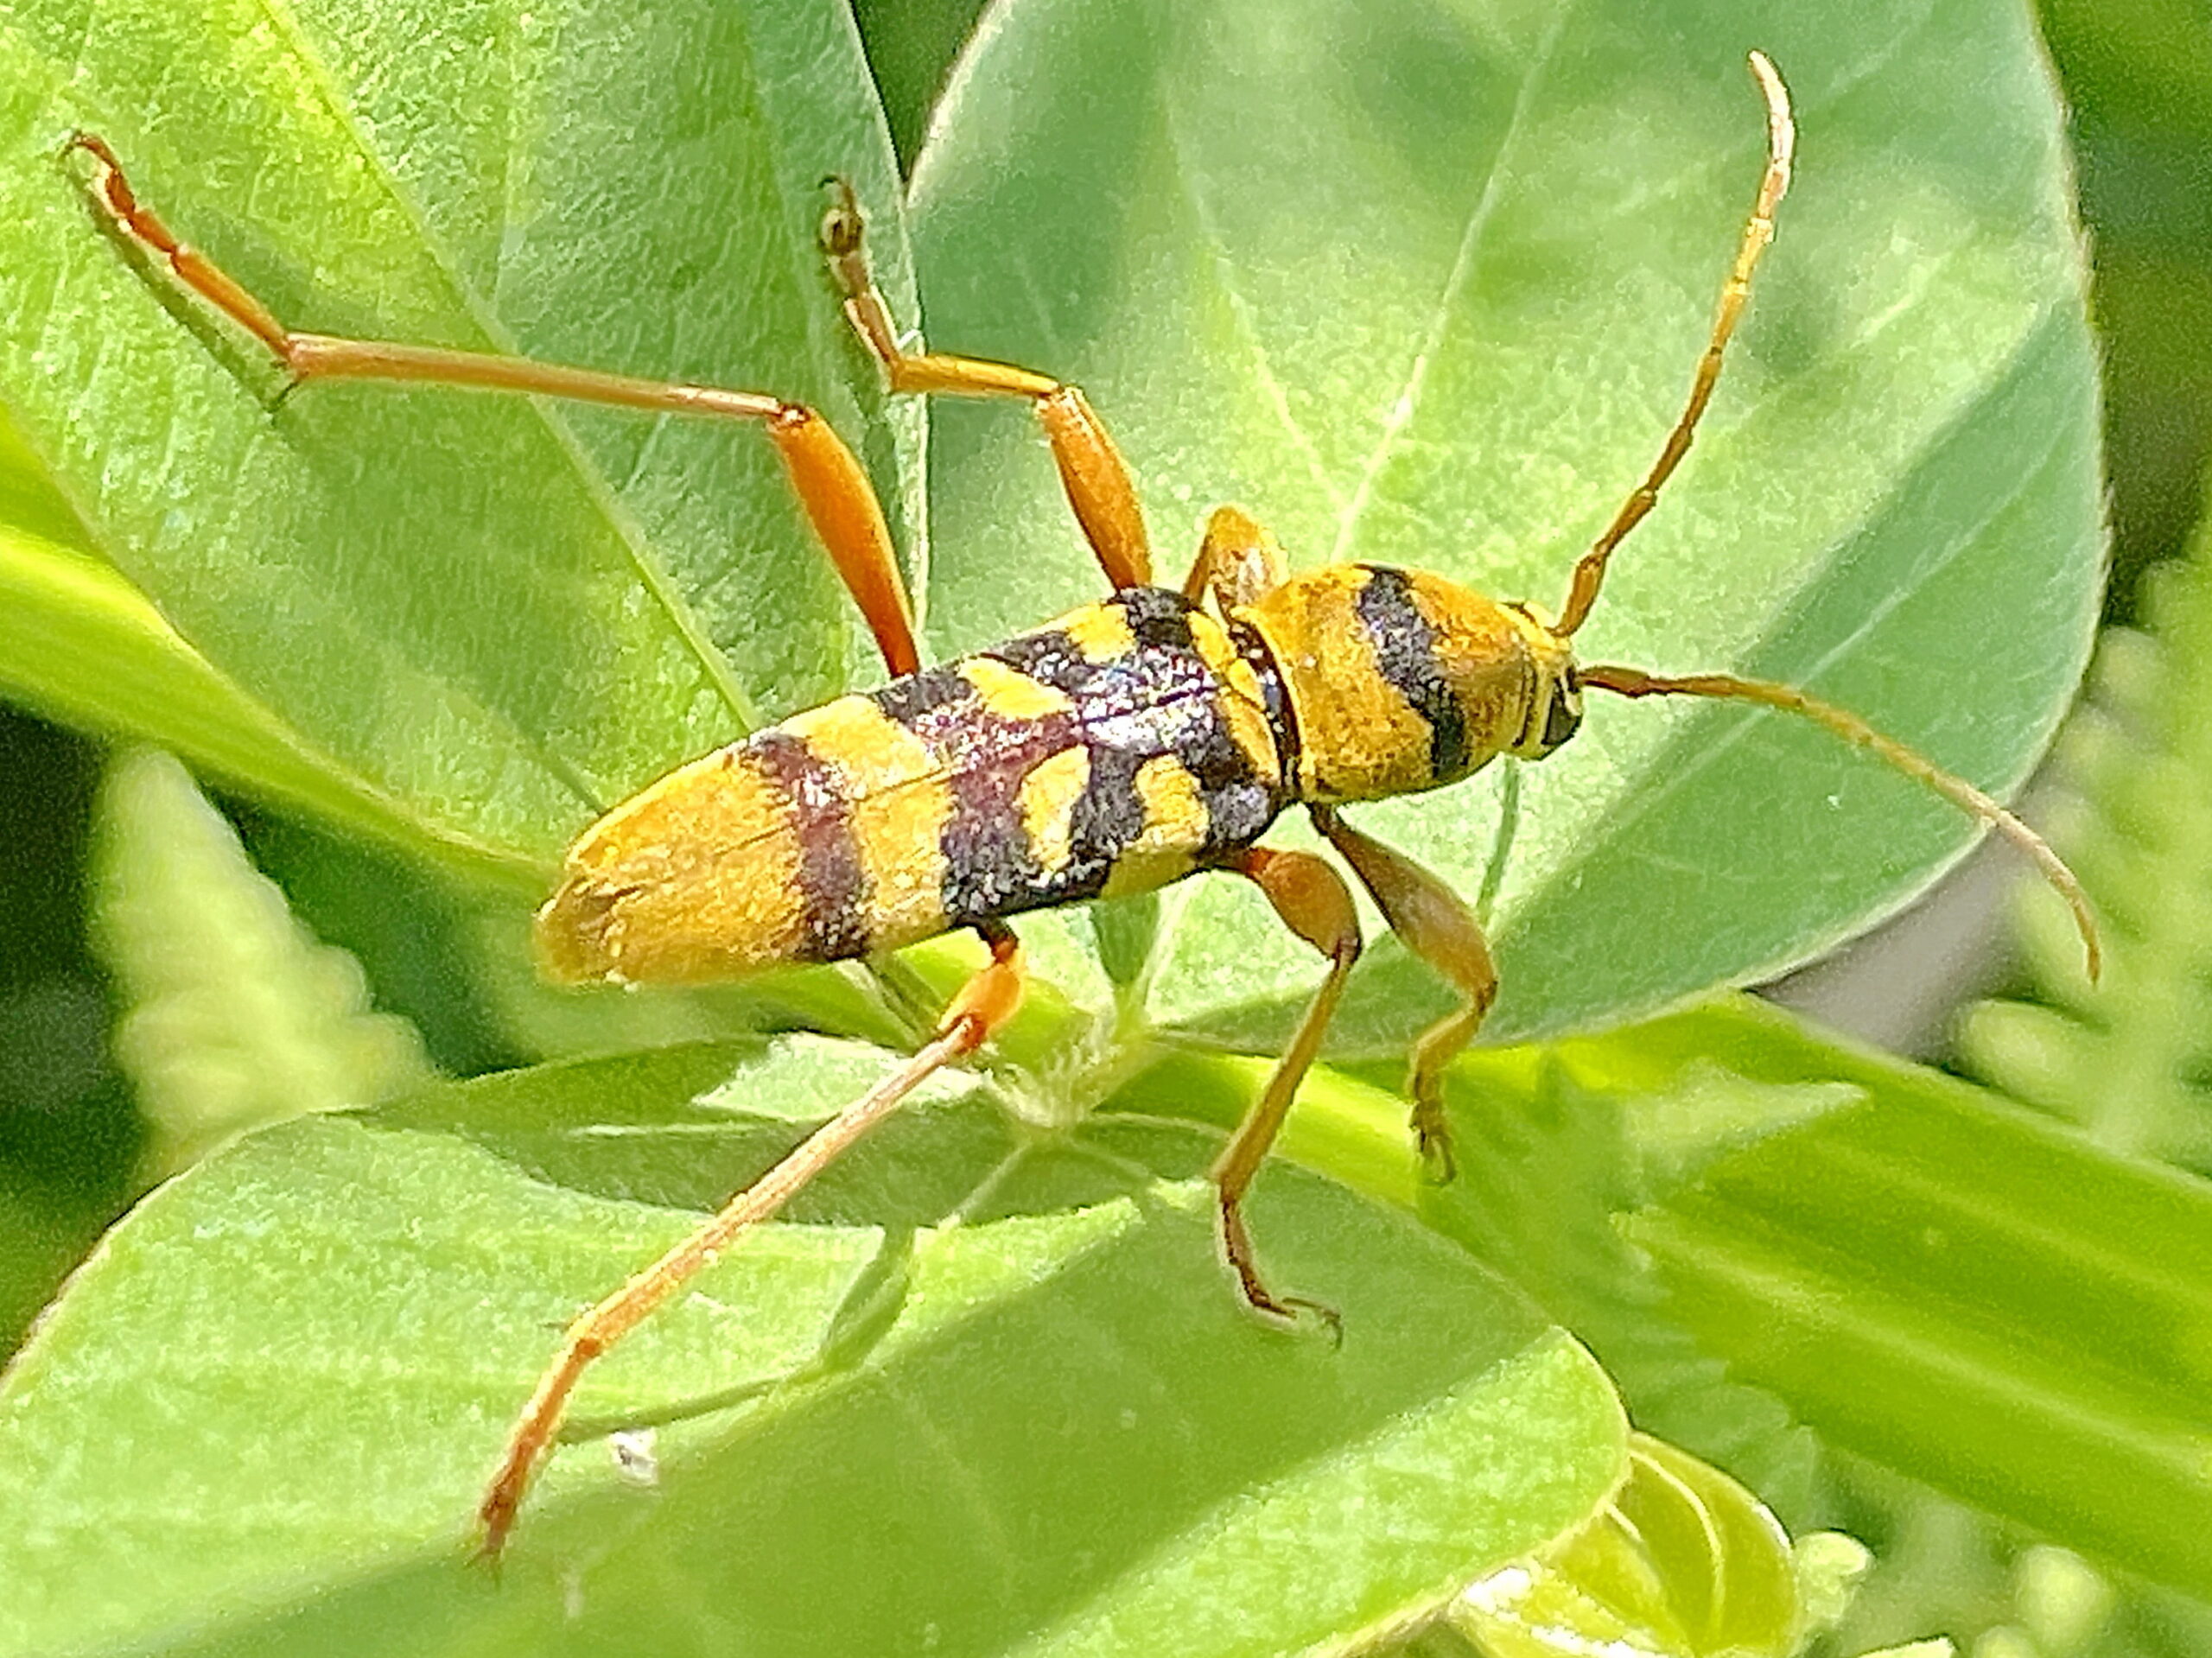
point(1634, 681)
point(1758, 232)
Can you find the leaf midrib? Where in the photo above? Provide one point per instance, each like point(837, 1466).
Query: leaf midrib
point(1402, 409)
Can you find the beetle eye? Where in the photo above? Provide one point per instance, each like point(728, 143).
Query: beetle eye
point(1561, 720)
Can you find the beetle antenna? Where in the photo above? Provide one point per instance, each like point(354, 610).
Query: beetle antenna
point(1759, 231)
point(1634, 681)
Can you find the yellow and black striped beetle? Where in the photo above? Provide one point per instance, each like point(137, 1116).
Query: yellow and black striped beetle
point(1150, 736)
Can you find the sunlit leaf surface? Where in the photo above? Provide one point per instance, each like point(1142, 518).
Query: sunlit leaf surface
point(261, 1421)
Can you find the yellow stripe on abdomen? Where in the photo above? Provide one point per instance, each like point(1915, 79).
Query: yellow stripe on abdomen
point(1175, 822)
point(1047, 800)
point(898, 797)
point(694, 879)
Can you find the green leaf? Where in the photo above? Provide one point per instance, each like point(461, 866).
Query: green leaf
point(87, 648)
point(260, 1421)
point(29, 503)
point(1556, 1145)
point(911, 45)
point(1950, 1287)
point(1426, 285)
point(1682, 1563)
point(500, 614)
point(233, 1016)
point(1556, 1150)
point(82, 645)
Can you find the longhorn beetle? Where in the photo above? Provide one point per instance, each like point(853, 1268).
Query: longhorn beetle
point(1150, 736)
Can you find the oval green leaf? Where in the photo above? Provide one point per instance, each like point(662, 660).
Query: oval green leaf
point(260, 1421)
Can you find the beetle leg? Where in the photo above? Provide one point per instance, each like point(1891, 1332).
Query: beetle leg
point(1315, 903)
point(839, 501)
point(1437, 925)
point(985, 1003)
point(1238, 561)
point(1091, 469)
